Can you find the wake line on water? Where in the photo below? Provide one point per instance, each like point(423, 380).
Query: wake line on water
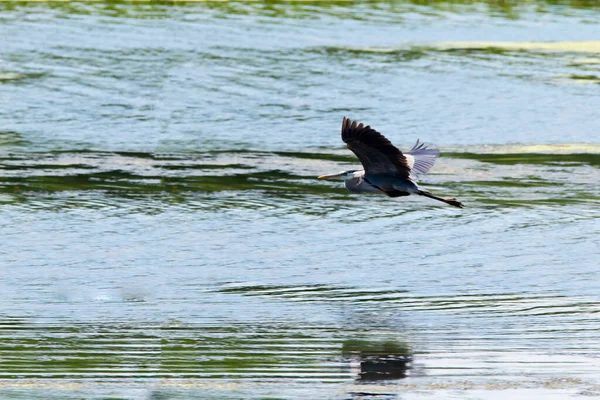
point(586, 46)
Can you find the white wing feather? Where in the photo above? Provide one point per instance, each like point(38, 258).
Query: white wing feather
point(420, 159)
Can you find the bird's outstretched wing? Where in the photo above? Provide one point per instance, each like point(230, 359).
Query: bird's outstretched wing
point(420, 159)
point(376, 153)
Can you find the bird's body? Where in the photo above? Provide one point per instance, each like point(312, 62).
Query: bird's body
point(359, 182)
point(386, 169)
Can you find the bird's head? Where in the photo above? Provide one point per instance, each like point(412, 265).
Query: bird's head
point(342, 176)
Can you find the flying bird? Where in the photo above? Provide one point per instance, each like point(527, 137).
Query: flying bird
point(386, 169)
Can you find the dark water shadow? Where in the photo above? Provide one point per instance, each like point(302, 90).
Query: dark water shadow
point(379, 359)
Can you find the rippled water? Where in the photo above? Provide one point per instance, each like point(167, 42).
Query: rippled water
point(164, 234)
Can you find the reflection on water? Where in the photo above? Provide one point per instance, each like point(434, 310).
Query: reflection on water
point(379, 360)
point(164, 234)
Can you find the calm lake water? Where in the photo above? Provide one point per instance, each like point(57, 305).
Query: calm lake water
point(163, 234)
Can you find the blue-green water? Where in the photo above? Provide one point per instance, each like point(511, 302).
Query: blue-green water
point(163, 233)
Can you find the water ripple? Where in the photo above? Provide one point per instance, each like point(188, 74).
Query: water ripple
point(254, 180)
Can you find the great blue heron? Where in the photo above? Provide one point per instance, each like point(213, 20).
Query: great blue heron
point(386, 169)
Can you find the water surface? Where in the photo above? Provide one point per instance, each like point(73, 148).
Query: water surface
point(164, 234)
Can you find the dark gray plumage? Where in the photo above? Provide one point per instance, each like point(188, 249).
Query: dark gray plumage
point(386, 169)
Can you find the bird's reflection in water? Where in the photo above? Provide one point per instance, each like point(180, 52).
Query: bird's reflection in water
point(379, 359)
point(377, 350)
point(373, 396)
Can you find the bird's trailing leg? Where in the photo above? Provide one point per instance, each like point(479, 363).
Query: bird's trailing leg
point(452, 202)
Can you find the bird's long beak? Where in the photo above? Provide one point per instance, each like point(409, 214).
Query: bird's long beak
point(332, 176)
